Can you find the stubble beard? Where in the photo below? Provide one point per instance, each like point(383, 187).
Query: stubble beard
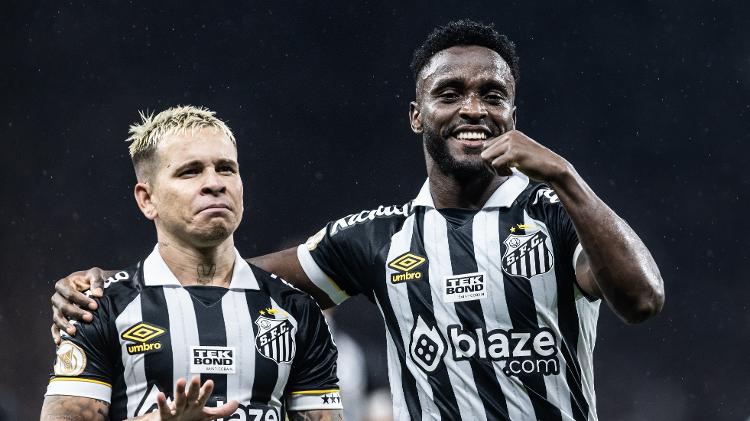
point(437, 148)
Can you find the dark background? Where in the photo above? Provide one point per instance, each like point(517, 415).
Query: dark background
point(649, 100)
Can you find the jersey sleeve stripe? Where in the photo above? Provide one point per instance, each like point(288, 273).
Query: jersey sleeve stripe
point(318, 277)
point(87, 388)
point(315, 392)
point(321, 399)
point(576, 254)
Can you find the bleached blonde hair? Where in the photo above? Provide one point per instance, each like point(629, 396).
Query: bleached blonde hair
point(145, 136)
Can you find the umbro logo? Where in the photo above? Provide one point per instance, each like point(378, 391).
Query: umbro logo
point(405, 266)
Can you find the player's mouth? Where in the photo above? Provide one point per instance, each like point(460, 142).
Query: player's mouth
point(471, 137)
point(216, 207)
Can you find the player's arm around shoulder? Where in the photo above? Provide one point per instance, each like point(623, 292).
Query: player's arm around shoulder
point(614, 263)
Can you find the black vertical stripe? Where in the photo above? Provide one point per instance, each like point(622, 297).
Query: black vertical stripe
point(520, 299)
point(211, 332)
point(158, 365)
point(420, 300)
point(266, 370)
point(461, 246)
point(568, 322)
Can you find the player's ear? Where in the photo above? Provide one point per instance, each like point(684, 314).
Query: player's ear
point(143, 197)
point(515, 110)
point(415, 117)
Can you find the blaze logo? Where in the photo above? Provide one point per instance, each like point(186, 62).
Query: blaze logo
point(143, 333)
point(405, 265)
point(427, 347)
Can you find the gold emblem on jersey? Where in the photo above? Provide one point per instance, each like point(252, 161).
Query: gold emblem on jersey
point(144, 334)
point(71, 360)
point(405, 265)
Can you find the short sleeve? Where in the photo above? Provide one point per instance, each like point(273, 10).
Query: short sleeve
point(84, 365)
point(340, 258)
point(313, 383)
point(565, 240)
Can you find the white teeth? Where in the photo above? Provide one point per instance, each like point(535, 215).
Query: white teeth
point(471, 136)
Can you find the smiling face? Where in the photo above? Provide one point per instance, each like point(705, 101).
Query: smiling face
point(465, 95)
point(195, 194)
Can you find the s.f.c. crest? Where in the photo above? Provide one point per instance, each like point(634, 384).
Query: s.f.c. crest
point(275, 339)
point(527, 255)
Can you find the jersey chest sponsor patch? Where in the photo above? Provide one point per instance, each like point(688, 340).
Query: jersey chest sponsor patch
point(465, 287)
point(275, 339)
point(212, 359)
point(527, 255)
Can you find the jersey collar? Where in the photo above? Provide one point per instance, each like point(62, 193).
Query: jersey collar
point(503, 197)
point(157, 273)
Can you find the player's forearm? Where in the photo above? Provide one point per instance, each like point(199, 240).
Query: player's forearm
point(621, 265)
point(73, 408)
point(319, 415)
point(286, 264)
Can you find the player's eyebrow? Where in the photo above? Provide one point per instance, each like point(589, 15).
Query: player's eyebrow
point(447, 82)
point(494, 84)
point(190, 164)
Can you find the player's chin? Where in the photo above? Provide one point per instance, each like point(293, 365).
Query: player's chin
point(214, 232)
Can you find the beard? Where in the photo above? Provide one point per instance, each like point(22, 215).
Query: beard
point(438, 150)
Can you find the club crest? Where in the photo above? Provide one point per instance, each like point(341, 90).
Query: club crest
point(527, 255)
point(275, 339)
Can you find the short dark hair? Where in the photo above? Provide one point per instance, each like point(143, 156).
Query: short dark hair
point(465, 32)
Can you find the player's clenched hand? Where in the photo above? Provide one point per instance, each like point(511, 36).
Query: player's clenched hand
point(515, 149)
point(69, 302)
point(191, 406)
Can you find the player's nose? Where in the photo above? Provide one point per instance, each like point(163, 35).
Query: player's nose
point(472, 108)
point(213, 183)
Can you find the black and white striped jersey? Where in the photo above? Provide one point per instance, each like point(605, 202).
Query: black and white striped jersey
point(262, 342)
point(484, 317)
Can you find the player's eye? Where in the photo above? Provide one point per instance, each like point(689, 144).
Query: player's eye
point(227, 169)
point(189, 172)
point(494, 98)
point(449, 96)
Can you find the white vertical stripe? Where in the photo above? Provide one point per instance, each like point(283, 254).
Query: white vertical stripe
point(489, 257)
point(284, 368)
point(134, 372)
point(588, 313)
point(544, 288)
point(459, 372)
point(239, 328)
point(399, 298)
point(183, 330)
point(400, 410)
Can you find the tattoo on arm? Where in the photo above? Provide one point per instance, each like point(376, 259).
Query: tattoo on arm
point(74, 408)
point(206, 273)
point(318, 415)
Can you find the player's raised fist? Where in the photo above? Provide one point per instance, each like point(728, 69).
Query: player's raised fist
point(513, 149)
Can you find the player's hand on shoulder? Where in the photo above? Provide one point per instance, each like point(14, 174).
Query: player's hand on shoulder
point(513, 149)
point(190, 405)
point(70, 303)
